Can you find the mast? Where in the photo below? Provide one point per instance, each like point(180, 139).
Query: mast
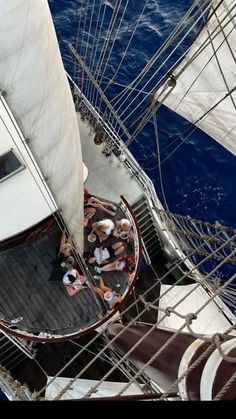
point(198, 368)
point(38, 124)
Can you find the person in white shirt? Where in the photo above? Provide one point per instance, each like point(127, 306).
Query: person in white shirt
point(73, 281)
point(123, 229)
point(103, 254)
point(103, 228)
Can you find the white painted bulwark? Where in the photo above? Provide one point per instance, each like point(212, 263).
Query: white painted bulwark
point(37, 92)
point(184, 365)
point(24, 198)
point(210, 370)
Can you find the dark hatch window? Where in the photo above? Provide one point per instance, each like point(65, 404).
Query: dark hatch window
point(9, 164)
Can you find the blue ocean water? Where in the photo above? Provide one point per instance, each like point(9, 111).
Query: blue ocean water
point(198, 178)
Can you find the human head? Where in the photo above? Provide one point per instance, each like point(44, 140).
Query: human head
point(71, 278)
point(103, 225)
point(125, 224)
point(130, 263)
point(70, 262)
point(66, 249)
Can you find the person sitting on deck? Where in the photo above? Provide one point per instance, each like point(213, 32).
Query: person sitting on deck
point(90, 205)
point(123, 229)
point(103, 229)
point(102, 254)
point(73, 281)
point(124, 263)
point(111, 297)
point(65, 250)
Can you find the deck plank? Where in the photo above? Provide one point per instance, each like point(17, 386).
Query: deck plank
point(45, 305)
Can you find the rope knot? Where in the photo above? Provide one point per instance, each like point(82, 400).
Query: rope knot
point(146, 304)
point(217, 339)
point(168, 311)
point(190, 317)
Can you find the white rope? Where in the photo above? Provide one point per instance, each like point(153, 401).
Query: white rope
point(96, 37)
point(124, 311)
point(127, 48)
point(159, 159)
point(201, 48)
point(78, 32)
point(107, 40)
point(158, 69)
point(113, 43)
point(226, 387)
point(132, 349)
point(163, 47)
point(88, 37)
point(92, 90)
point(82, 42)
point(133, 320)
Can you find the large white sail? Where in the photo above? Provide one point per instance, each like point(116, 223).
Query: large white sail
point(38, 95)
point(209, 80)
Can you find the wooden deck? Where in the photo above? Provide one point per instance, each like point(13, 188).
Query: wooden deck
point(45, 305)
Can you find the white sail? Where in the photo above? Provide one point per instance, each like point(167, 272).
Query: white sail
point(209, 320)
point(209, 78)
point(80, 387)
point(37, 92)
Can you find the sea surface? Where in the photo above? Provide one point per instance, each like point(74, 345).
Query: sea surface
point(199, 177)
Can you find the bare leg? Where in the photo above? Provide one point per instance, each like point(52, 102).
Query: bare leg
point(109, 267)
point(71, 290)
point(88, 213)
point(100, 206)
point(103, 286)
point(98, 290)
point(82, 278)
point(105, 204)
point(118, 248)
point(119, 251)
point(63, 240)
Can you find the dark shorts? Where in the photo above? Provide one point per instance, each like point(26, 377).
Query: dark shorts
point(88, 206)
point(111, 251)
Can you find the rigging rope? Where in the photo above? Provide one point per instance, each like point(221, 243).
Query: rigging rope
point(131, 350)
point(159, 160)
point(171, 38)
point(151, 288)
point(123, 55)
point(155, 73)
point(201, 48)
point(94, 47)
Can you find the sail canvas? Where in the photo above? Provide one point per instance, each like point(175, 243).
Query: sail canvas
point(37, 92)
point(205, 80)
